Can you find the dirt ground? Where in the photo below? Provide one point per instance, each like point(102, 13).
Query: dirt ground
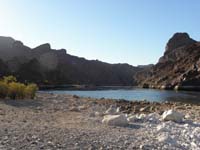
point(53, 121)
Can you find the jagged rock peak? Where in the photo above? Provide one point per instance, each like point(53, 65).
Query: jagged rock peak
point(178, 40)
point(45, 46)
point(18, 44)
point(6, 42)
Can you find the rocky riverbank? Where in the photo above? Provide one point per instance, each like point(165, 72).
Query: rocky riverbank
point(70, 122)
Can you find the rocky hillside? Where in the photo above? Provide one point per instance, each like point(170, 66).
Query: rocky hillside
point(178, 68)
point(45, 65)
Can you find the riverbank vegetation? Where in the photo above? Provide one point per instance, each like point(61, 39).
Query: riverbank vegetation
point(11, 88)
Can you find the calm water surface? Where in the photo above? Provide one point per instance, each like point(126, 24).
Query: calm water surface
point(136, 94)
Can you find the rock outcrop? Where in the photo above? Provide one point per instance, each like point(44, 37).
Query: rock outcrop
point(179, 66)
point(178, 40)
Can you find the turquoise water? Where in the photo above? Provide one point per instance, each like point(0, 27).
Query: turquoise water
point(136, 94)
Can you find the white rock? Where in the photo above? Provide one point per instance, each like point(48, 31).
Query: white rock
point(74, 109)
point(83, 107)
point(132, 118)
point(141, 116)
point(164, 138)
point(194, 146)
point(118, 110)
point(153, 117)
point(187, 116)
point(161, 128)
point(172, 115)
point(98, 114)
point(111, 110)
point(115, 120)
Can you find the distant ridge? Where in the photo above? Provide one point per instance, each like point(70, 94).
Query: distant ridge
point(45, 65)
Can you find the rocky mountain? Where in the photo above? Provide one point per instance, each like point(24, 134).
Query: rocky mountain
point(45, 65)
point(178, 68)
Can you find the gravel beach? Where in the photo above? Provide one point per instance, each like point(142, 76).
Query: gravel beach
point(68, 122)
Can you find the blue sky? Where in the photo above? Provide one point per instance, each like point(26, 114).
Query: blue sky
point(115, 31)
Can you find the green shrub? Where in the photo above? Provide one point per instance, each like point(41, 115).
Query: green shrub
point(30, 90)
point(16, 90)
point(3, 89)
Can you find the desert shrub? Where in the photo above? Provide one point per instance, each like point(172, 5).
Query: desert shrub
point(3, 89)
point(30, 90)
point(9, 87)
point(16, 90)
point(9, 79)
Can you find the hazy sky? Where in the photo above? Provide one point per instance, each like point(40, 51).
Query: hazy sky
point(125, 31)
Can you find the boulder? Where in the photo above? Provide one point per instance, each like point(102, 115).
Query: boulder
point(172, 115)
point(115, 120)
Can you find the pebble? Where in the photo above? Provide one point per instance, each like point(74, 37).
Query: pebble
point(147, 131)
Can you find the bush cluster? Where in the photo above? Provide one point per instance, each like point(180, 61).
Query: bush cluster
point(9, 87)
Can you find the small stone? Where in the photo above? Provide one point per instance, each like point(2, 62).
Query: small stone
point(82, 107)
point(92, 114)
point(132, 118)
point(98, 114)
point(187, 116)
point(111, 110)
point(161, 128)
point(118, 110)
point(165, 138)
point(145, 109)
point(141, 116)
point(74, 109)
point(75, 96)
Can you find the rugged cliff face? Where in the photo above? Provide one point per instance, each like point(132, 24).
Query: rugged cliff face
point(45, 65)
point(179, 67)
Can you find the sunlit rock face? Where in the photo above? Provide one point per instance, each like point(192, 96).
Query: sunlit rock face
point(179, 66)
point(175, 47)
point(178, 40)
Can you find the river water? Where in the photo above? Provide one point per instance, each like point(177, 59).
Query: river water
point(136, 94)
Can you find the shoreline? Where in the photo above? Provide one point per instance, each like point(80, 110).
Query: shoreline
point(93, 87)
point(83, 87)
point(61, 121)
